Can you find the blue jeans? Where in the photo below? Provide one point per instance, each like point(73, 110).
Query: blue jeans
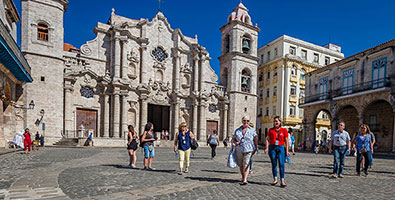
point(147, 152)
point(339, 154)
point(277, 153)
point(367, 156)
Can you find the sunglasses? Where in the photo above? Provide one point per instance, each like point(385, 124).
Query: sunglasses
point(246, 120)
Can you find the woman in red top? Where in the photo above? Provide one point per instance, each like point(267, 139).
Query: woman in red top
point(277, 146)
point(27, 141)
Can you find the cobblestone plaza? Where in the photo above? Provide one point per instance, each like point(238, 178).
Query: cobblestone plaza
point(99, 173)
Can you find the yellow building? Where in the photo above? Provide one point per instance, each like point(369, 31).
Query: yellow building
point(284, 64)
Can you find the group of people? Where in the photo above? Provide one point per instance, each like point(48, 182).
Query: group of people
point(245, 141)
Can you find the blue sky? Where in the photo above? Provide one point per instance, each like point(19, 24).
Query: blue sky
point(355, 25)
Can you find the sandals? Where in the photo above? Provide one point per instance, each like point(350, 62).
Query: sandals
point(274, 182)
point(283, 185)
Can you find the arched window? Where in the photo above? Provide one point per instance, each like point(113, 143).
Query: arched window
point(42, 32)
point(227, 44)
point(225, 77)
point(293, 70)
point(245, 81)
point(246, 44)
point(275, 71)
point(302, 74)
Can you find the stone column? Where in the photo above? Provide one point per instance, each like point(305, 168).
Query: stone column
point(195, 117)
point(176, 70)
point(175, 118)
point(202, 121)
point(117, 55)
point(143, 113)
point(106, 116)
point(124, 59)
point(225, 118)
point(124, 127)
point(195, 73)
point(116, 115)
point(68, 113)
point(143, 70)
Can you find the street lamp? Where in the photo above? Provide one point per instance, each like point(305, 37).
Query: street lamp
point(31, 105)
point(38, 121)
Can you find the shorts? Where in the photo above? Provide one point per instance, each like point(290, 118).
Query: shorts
point(243, 158)
point(147, 152)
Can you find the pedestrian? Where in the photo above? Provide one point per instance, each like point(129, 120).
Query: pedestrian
point(90, 140)
point(340, 141)
point(363, 145)
point(182, 145)
point(225, 142)
point(277, 138)
point(27, 140)
point(133, 137)
point(324, 145)
point(292, 143)
point(148, 143)
point(213, 141)
point(246, 142)
point(166, 135)
point(317, 147)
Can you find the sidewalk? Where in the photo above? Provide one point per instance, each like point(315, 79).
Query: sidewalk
point(4, 151)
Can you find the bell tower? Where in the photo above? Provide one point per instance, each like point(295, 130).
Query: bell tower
point(238, 65)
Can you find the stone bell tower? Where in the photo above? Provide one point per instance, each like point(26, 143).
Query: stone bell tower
point(238, 65)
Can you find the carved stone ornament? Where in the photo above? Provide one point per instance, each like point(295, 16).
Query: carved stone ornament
point(160, 98)
point(133, 56)
point(159, 85)
point(85, 50)
point(334, 109)
point(186, 68)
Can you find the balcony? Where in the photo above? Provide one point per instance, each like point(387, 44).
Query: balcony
point(267, 82)
point(275, 79)
point(323, 122)
point(302, 82)
point(260, 102)
point(274, 100)
point(261, 84)
point(293, 78)
point(346, 92)
point(292, 98)
point(267, 101)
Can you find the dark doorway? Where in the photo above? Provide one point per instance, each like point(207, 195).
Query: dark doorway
point(159, 116)
point(211, 126)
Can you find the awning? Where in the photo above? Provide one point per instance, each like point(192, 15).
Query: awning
point(12, 58)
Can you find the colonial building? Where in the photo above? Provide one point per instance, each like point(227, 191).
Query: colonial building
point(14, 73)
point(284, 62)
point(134, 72)
point(358, 89)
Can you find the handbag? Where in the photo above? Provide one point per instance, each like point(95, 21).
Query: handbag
point(232, 160)
point(194, 144)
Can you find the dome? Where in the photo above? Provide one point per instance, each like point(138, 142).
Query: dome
point(240, 13)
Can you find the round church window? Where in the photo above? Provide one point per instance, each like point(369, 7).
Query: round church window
point(159, 54)
point(87, 92)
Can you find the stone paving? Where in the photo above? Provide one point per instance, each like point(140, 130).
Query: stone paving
point(99, 173)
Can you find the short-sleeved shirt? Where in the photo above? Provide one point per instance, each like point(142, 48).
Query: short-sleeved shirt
point(363, 142)
point(279, 136)
point(340, 139)
point(292, 140)
point(246, 139)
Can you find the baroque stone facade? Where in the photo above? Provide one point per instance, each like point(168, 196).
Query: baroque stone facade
point(133, 72)
point(358, 89)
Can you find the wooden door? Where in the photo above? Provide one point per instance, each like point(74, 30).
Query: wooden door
point(210, 127)
point(86, 122)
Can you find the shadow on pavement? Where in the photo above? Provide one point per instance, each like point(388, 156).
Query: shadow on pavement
point(213, 179)
point(306, 174)
point(218, 171)
point(155, 170)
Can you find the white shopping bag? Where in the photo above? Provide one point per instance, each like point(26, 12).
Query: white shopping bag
point(232, 162)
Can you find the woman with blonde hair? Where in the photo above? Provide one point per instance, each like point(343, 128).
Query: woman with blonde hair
point(182, 144)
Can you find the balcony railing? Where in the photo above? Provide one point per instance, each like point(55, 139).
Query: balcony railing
point(366, 86)
point(378, 83)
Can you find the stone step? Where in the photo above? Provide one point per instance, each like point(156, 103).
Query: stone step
point(67, 142)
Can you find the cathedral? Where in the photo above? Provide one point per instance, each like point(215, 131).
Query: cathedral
point(134, 72)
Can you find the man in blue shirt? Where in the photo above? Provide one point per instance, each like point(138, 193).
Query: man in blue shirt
point(340, 141)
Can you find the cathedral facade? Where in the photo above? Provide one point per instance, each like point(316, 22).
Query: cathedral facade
point(134, 72)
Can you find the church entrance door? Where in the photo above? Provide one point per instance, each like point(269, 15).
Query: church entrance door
point(86, 122)
point(211, 126)
point(159, 116)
